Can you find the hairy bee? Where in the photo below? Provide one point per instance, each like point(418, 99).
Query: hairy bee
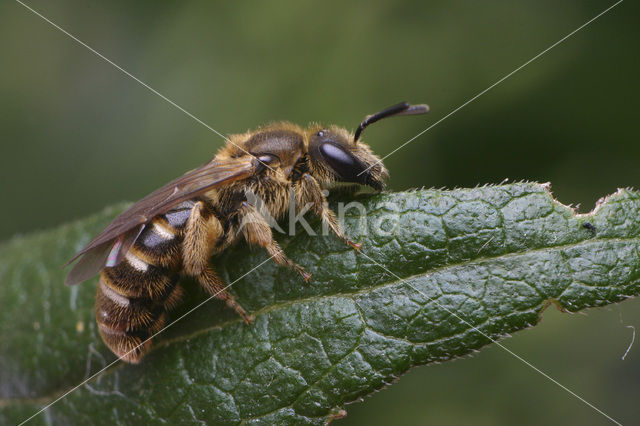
point(176, 229)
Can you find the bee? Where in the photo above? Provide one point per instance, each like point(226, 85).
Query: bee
point(176, 229)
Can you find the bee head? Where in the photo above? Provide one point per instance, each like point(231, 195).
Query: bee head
point(339, 156)
point(335, 157)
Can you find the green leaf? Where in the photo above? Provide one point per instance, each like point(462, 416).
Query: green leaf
point(441, 274)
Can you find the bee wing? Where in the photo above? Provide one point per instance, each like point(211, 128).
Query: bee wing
point(95, 258)
point(124, 229)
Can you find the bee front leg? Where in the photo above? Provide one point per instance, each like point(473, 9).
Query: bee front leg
point(256, 231)
point(308, 190)
point(202, 232)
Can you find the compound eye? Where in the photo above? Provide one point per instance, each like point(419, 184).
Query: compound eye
point(345, 165)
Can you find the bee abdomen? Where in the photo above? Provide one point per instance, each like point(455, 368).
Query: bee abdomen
point(126, 324)
point(135, 278)
point(135, 295)
point(158, 244)
point(130, 346)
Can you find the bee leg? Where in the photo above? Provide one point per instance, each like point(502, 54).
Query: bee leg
point(202, 232)
point(256, 231)
point(309, 191)
point(214, 285)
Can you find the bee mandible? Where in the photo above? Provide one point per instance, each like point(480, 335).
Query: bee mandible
point(176, 229)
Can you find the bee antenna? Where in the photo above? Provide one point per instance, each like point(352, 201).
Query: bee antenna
point(403, 108)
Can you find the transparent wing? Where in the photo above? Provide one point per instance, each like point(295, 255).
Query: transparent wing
point(127, 226)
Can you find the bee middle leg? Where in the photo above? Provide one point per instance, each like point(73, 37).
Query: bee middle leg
point(256, 231)
point(308, 190)
point(202, 232)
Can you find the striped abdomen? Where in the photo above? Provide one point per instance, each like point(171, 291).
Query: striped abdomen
point(135, 295)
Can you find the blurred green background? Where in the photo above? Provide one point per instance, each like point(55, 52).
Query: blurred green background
point(78, 135)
